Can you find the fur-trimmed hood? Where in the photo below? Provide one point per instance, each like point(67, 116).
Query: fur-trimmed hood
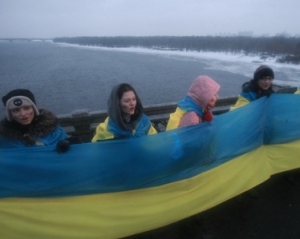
point(41, 126)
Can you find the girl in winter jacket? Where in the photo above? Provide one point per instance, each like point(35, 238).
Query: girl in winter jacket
point(259, 86)
point(25, 125)
point(126, 118)
point(195, 107)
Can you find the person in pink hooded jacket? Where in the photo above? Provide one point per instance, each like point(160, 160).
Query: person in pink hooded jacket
point(195, 107)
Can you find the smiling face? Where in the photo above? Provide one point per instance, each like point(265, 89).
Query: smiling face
point(128, 103)
point(23, 115)
point(265, 82)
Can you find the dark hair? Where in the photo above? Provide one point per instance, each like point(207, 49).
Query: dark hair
point(114, 111)
point(124, 88)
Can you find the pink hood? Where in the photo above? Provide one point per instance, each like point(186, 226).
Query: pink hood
point(202, 90)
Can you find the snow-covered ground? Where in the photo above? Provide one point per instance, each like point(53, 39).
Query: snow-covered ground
point(285, 74)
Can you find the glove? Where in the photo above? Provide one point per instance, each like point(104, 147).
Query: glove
point(64, 145)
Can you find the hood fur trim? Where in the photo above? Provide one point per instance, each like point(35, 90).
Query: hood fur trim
point(41, 126)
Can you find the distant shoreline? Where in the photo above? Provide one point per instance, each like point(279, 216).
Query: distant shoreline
point(254, 58)
point(282, 49)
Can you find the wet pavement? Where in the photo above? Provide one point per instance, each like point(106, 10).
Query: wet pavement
point(269, 211)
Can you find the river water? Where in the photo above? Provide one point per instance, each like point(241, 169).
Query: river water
point(65, 77)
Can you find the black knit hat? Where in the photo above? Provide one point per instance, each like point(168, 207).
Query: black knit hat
point(18, 98)
point(263, 71)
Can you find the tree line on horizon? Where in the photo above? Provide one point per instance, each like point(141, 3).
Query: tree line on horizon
point(286, 49)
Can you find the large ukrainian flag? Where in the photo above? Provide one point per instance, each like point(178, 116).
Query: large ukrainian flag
point(117, 188)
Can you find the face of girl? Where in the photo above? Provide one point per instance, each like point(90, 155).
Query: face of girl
point(23, 115)
point(212, 102)
point(265, 82)
point(128, 103)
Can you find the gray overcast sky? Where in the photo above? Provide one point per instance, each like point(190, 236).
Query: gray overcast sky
point(59, 18)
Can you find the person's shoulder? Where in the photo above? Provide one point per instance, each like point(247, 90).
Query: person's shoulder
point(45, 123)
point(4, 122)
point(247, 87)
point(46, 112)
point(7, 127)
point(46, 116)
point(144, 116)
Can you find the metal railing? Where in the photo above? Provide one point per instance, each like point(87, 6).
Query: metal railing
point(83, 122)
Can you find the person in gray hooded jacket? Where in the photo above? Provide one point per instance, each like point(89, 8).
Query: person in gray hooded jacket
point(126, 118)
